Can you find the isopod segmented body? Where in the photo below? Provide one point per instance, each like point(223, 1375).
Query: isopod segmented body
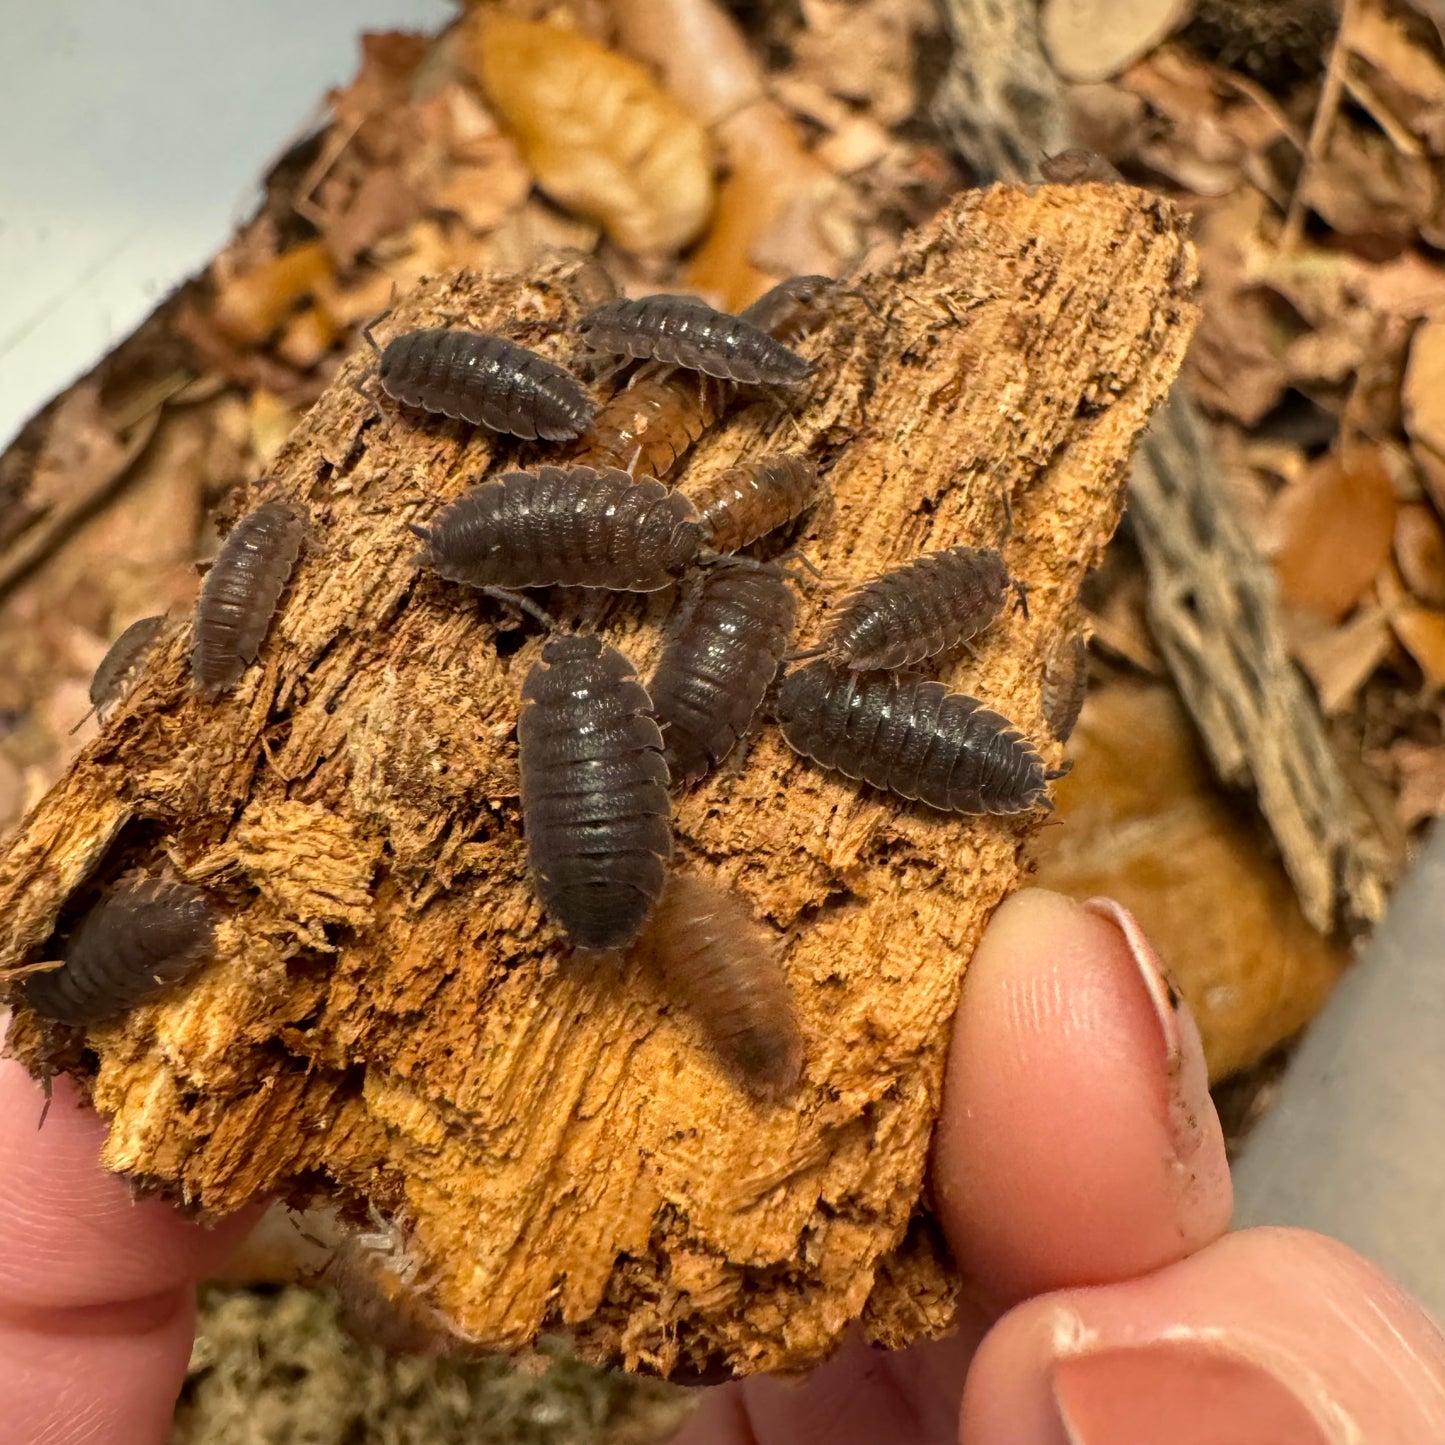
point(913, 737)
point(1066, 673)
point(241, 594)
point(134, 946)
point(595, 805)
point(721, 654)
point(790, 309)
point(924, 607)
point(119, 666)
point(565, 527)
point(714, 959)
point(648, 425)
point(747, 502)
point(486, 380)
point(684, 331)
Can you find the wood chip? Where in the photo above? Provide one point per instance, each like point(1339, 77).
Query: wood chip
point(1097, 39)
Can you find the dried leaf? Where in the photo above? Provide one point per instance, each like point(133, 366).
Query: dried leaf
point(1339, 660)
point(868, 54)
point(1421, 770)
point(308, 336)
point(1422, 632)
point(1333, 529)
point(1420, 553)
point(1096, 39)
point(249, 307)
point(382, 205)
point(1405, 81)
point(1424, 389)
point(483, 191)
point(1209, 893)
point(1363, 186)
point(600, 135)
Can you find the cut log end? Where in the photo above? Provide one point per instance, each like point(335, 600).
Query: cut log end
point(391, 1019)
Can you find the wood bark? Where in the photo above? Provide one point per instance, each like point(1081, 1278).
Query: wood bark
point(390, 1021)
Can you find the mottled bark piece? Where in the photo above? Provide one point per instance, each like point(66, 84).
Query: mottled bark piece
point(391, 1018)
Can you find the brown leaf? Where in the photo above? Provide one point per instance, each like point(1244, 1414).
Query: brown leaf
point(1333, 530)
point(382, 205)
point(484, 190)
point(1420, 553)
point(1363, 186)
point(867, 54)
point(1422, 631)
point(250, 306)
point(600, 135)
point(1211, 896)
point(1404, 82)
point(1339, 660)
point(1424, 390)
point(1421, 769)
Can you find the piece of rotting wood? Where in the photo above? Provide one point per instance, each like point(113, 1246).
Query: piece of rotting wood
point(1213, 607)
point(391, 1021)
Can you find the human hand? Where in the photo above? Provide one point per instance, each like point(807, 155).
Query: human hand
point(97, 1293)
point(1079, 1173)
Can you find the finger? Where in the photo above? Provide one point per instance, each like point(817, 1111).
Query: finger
point(96, 1291)
point(1077, 1143)
point(70, 1233)
point(860, 1397)
point(1268, 1337)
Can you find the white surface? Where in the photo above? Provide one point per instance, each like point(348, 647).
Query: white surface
point(132, 140)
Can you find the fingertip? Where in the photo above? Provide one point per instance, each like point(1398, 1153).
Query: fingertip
point(1280, 1337)
point(71, 1234)
point(1077, 1143)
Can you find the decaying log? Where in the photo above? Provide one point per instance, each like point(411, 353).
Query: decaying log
point(390, 1020)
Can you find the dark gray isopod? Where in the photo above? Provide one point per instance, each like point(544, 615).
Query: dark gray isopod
point(913, 737)
point(486, 380)
point(595, 805)
point(134, 946)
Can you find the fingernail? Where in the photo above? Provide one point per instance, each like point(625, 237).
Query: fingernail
point(1185, 1071)
point(1186, 1392)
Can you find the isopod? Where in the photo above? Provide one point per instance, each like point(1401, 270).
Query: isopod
point(790, 309)
point(913, 737)
point(720, 657)
point(747, 502)
point(595, 805)
point(924, 607)
point(565, 527)
point(714, 959)
point(134, 946)
point(119, 666)
point(1066, 673)
point(684, 331)
point(241, 594)
point(648, 425)
point(486, 380)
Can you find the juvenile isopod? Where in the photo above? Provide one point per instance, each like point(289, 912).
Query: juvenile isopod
point(917, 610)
point(684, 331)
point(721, 654)
point(595, 807)
point(134, 946)
point(565, 527)
point(790, 309)
point(1066, 675)
point(119, 666)
point(715, 960)
point(486, 380)
point(242, 591)
point(913, 737)
point(747, 502)
point(647, 426)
